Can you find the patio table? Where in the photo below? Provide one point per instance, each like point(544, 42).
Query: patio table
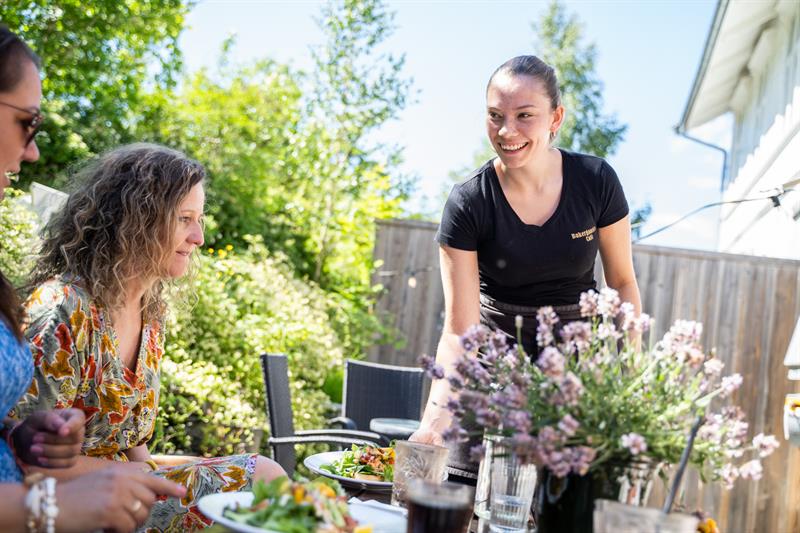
point(394, 428)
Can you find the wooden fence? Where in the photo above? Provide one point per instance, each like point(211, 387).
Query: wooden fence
point(748, 305)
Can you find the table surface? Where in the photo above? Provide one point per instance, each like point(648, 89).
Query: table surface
point(394, 426)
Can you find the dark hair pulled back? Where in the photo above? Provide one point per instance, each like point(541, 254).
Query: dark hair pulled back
point(536, 68)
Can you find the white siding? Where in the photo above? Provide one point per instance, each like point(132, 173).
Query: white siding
point(765, 153)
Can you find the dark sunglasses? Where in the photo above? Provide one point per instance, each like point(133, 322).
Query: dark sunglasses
point(31, 125)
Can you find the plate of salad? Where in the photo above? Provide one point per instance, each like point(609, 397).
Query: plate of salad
point(284, 506)
point(362, 467)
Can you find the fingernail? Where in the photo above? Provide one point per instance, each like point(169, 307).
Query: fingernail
point(36, 449)
point(39, 437)
point(43, 461)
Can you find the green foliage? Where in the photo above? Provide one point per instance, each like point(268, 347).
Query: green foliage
point(289, 160)
point(242, 123)
point(17, 237)
point(560, 44)
point(99, 58)
point(245, 304)
point(356, 89)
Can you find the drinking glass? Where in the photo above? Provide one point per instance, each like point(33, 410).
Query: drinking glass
point(483, 486)
point(512, 486)
point(415, 460)
point(438, 507)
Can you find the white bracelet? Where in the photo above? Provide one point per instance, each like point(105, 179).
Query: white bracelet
point(33, 503)
point(42, 507)
point(49, 505)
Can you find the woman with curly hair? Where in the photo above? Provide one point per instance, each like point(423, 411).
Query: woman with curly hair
point(96, 316)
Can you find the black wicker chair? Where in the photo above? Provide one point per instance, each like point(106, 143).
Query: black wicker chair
point(283, 436)
point(373, 390)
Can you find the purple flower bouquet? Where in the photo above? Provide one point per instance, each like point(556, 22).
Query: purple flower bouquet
point(597, 396)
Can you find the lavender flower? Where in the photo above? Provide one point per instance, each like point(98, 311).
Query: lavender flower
point(511, 396)
point(635, 443)
point(568, 425)
point(518, 421)
point(474, 337)
point(559, 463)
point(547, 318)
point(765, 444)
point(476, 453)
point(751, 470)
point(569, 391)
point(582, 457)
point(588, 303)
point(456, 382)
point(576, 337)
point(713, 367)
point(730, 384)
point(609, 303)
point(549, 439)
point(454, 433)
point(607, 331)
point(729, 474)
point(551, 362)
point(487, 418)
point(430, 367)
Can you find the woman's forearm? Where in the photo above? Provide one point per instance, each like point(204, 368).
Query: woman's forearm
point(436, 417)
point(629, 292)
point(13, 515)
point(85, 465)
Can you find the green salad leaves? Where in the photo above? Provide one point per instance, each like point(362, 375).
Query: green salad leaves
point(366, 463)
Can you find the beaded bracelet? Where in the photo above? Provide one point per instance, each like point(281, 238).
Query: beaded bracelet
point(41, 505)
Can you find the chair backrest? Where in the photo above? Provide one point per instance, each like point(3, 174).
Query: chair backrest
point(373, 390)
point(279, 407)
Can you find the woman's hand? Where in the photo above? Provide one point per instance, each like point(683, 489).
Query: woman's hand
point(50, 439)
point(116, 499)
point(427, 436)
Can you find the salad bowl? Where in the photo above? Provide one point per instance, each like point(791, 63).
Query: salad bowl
point(316, 462)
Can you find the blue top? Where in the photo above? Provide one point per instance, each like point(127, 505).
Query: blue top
point(16, 373)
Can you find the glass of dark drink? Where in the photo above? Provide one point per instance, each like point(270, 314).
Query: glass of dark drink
point(438, 507)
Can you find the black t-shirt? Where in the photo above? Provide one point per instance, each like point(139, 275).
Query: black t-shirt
point(525, 264)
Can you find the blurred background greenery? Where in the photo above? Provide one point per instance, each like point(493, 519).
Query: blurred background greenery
point(294, 188)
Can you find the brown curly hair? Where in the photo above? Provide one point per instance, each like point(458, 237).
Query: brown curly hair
point(118, 225)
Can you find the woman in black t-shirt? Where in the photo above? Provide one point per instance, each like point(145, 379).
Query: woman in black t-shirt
point(523, 230)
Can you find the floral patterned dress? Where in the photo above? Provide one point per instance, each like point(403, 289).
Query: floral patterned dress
point(16, 371)
point(76, 365)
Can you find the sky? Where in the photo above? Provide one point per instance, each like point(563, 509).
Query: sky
point(648, 56)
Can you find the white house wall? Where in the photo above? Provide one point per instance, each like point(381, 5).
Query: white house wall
point(765, 152)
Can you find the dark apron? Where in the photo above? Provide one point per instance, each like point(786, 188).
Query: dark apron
point(502, 316)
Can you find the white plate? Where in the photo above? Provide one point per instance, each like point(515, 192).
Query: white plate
point(315, 462)
point(384, 519)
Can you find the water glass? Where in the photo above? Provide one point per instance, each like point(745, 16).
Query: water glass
point(438, 507)
point(483, 486)
point(414, 460)
point(512, 487)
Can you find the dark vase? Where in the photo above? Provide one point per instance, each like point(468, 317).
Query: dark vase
point(566, 505)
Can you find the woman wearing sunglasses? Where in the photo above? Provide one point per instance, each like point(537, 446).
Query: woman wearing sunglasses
point(49, 439)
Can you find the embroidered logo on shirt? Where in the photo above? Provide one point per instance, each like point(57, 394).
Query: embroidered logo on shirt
point(588, 234)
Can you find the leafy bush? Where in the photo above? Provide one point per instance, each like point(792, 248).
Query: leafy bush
point(17, 237)
point(245, 303)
